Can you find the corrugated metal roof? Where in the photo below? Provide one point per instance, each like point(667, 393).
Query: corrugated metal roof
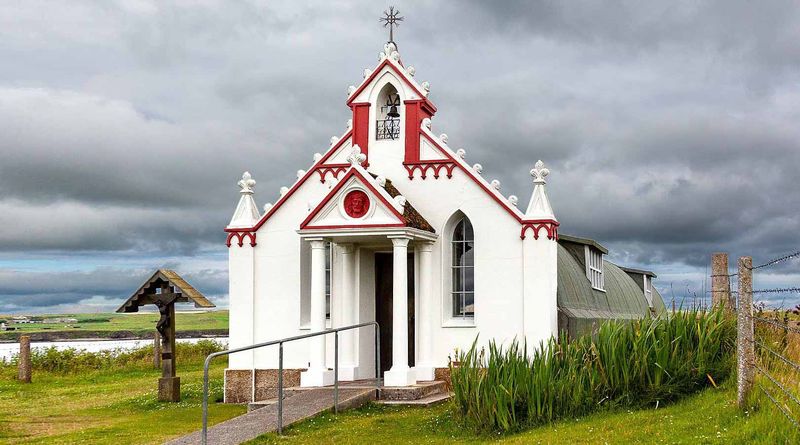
point(582, 307)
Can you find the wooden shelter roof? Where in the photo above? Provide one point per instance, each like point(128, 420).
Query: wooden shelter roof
point(147, 292)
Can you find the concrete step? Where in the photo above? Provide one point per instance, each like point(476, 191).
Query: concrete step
point(432, 399)
point(416, 392)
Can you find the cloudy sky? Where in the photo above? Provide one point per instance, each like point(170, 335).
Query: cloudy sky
point(670, 128)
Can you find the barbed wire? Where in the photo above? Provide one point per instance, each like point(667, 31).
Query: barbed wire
point(778, 384)
point(777, 290)
point(777, 260)
point(775, 323)
point(778, 405)
point(776, 354)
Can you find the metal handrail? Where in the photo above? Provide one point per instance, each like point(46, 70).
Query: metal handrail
point(280, 342)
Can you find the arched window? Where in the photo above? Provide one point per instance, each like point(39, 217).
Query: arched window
point(387, 125)
point(463, 269)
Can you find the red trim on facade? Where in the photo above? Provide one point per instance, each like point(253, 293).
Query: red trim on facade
point(334, 169)
point(240, 235)
point(424, 166)
point(350, 173)
point(399, 73)
point(355, 226)
point(548, 224)
point(335, 147)
point(361, 127)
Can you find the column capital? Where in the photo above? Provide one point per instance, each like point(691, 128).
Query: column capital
point(316, 243)
point(424, 245)
point(346, 247)
point(400, 240)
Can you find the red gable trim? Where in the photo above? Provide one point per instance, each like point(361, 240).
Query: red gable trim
point(399, 73)
point(469, 173)
point(352, 172)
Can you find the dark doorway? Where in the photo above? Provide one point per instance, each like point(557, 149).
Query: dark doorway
point(383, 307)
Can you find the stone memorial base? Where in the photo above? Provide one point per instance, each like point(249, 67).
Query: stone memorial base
point(169, 389)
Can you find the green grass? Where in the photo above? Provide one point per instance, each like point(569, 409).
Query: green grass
point(105, 407)
point(138, 323)
point(710, 417)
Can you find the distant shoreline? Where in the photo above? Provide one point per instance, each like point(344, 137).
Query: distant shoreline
point(40, 336)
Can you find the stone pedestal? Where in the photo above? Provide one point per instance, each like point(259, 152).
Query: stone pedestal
point(24, 373)
point(169, 389)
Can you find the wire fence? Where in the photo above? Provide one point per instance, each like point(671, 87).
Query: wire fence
point(768, 342)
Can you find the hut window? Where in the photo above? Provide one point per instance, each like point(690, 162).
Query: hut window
point(328, 262)
point(648, 290)
point(463, 269)
point(594, 268)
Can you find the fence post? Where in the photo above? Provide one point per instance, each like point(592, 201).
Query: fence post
point(157, 350)
point(720, 282)
point(24, 374)
point(744, 338)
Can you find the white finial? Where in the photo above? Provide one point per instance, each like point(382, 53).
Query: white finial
point(334, 140)
point(350, 90)
point(400, 199)
point(496, 184)
point(461, 153)
point(411, 71)
point(539, 172)
point(443, 138)
point(284, 190)
point(478, 168)
point(513, 200)
point(395, 56)
point(381, 180)
point(367, 72)
point(356, 157)
point(300, 173)
point(267, 207)
point(317, 157)
point(246, 183)
point(349, 124)
point(427, 87)
point(426, 123)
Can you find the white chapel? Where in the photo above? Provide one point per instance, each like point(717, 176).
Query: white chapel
point(390, 224)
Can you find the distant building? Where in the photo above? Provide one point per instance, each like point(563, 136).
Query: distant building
point(60, 320)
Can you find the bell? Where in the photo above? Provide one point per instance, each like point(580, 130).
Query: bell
point(393, 111)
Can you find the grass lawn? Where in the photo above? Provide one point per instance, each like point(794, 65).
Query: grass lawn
point(105, 407)
point(135, 322)
point(710, 417)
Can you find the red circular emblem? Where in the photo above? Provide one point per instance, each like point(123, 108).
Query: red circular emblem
point(356, 204)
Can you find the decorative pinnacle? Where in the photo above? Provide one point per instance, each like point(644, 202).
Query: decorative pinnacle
point(392, 19)
point(246, 183)
point(539, 172)
point(356, 157)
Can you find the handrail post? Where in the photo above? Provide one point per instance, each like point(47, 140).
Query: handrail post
point(336, 372)
point(280, 388)
point(205, 399)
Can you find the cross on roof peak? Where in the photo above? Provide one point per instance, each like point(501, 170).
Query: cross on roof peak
point(392, 19)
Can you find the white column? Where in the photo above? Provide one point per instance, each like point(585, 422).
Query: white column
point(317, 373)
point(347, 339)
point(425, 365)
point(539, 289)
point(400, 374)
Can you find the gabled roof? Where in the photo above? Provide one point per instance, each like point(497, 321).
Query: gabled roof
point(410, 214)
point(146, 292)
point(585, 241)
point(400, 72)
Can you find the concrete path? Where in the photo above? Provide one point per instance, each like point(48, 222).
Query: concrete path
point(264, 420)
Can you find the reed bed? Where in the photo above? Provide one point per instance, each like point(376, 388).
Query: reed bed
point(624, 364)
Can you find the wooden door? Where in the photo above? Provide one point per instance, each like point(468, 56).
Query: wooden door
point(383, 307)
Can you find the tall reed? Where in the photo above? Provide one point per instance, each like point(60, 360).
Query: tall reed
point(635, 363)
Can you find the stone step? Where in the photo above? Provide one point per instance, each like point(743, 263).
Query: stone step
point(416, 392)
point(423, 402)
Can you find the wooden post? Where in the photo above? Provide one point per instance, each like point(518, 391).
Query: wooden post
point(744, 339)
point(720, 282)
point(169, 386)
point(24, 374)
point(157, 350)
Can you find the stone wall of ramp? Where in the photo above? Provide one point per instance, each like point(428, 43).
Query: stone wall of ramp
point(239, 384)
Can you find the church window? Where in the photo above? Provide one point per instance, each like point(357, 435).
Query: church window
point(463, 269)
point(594, 268)
point(387, 125)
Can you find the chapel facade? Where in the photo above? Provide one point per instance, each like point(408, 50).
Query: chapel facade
point(390, 224)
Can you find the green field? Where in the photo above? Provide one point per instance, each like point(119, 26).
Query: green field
point(106, 325)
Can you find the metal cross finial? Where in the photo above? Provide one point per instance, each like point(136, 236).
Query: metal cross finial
point(391, 18)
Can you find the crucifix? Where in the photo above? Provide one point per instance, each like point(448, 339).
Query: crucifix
point(164, 289)
point(392, 19)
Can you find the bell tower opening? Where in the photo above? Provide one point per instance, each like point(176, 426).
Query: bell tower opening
point(387, 125)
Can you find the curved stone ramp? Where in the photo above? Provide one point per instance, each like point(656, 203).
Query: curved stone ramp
point(301, 406)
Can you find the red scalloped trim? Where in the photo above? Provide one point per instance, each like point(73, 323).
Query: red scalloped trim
point(424, 166)
point(548, 224)
point(240, 238)
point(334, 169)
